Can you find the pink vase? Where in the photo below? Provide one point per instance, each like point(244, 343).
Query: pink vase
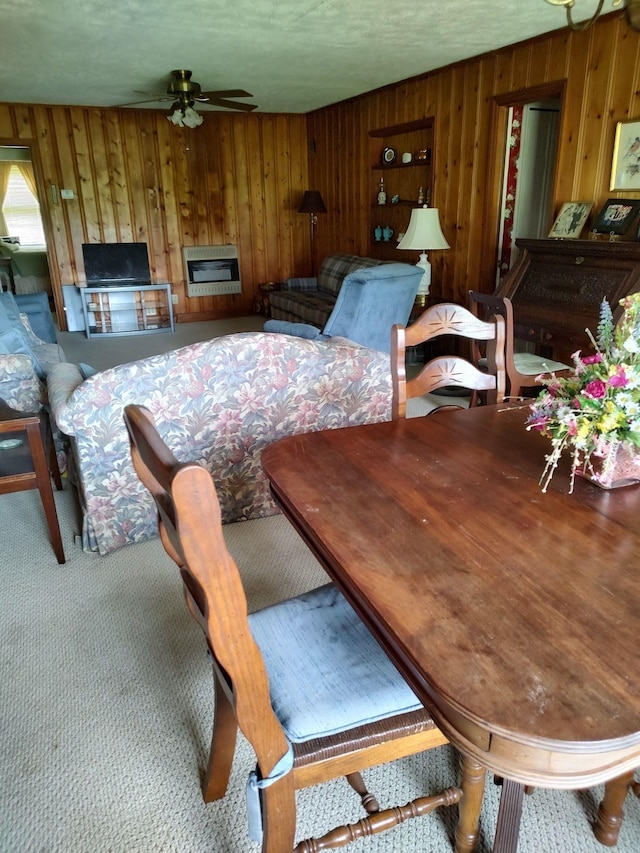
point(621, 467)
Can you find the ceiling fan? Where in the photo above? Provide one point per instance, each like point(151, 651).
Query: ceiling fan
point(185, 92)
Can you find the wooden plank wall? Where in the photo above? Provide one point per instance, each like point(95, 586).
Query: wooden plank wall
point(239, 178)
point(136, 177)
point(599, 71)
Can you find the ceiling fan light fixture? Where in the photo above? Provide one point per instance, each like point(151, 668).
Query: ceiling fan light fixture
point(184, 115)
point(192, 118)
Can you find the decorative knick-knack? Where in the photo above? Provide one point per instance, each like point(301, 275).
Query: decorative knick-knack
point(382, 196)
point(421, 196)
point(377, 233)
point(387, 233)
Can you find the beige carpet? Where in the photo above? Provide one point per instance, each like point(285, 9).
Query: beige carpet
point(106, 704)
point(109, 350)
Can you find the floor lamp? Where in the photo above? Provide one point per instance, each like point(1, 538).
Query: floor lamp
point(312, 204)
point(424, 233)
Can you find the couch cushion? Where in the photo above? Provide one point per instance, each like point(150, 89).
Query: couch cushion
point(13, 342)
point(371, 301)
point(326, 672)
point(9, 312)
point(299, 330)
point(305, 307)
point(334, 268)
point(36, 306)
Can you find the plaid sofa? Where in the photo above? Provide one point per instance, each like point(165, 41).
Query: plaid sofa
point(311, 300)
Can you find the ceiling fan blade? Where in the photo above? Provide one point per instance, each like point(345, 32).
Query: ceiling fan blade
point(227, 93)
point(230, 105)
point(152, 101)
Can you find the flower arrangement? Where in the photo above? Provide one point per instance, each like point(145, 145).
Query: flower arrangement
point(595, 410)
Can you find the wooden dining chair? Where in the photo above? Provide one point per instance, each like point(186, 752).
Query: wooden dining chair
point(521, 367)
point(450, 371)
point(304, 680)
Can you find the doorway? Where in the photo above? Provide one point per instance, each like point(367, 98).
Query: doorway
point(22, 229)
point(520, 203)
point(529, 170)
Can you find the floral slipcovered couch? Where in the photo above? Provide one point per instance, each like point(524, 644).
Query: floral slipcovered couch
point(220, 403)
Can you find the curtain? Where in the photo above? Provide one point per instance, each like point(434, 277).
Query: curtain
point(26, 170)
point(5, 171)
point(511, 185)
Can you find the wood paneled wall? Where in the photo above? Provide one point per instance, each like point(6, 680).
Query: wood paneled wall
point(598, 73)
point(136, 177)
point(240, 178)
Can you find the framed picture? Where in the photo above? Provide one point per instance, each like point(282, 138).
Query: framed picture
point(571, 219)
point(625, 169)
point(617, 215)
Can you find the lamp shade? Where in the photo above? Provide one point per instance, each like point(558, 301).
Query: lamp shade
point(424, 232)
point(312, 203)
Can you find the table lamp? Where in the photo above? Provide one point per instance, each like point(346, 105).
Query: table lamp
point(422, 235)
point(312, 204)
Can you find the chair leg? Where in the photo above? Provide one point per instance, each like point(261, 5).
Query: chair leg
point(53, 457)
point(610, 811)
point(278, 804)
point(223, 744)
point(369, 802)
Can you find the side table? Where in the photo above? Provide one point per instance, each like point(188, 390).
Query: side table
point(25, 443)
point(261, 303)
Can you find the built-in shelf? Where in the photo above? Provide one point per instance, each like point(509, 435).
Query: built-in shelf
point(400, 179)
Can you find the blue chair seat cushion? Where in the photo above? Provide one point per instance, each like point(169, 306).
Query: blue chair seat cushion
point(327, 673)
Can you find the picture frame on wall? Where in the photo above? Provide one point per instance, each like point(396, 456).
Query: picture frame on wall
point(571, 220)
point(625, 168)
point(616, 216)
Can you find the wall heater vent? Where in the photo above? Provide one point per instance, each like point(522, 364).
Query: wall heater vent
point(212, 270)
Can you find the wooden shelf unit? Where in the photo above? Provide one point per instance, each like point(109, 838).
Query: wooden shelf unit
point(401, 179)
point(127, 310)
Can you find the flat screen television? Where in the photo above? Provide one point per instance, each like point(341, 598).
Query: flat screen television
point(113, 264)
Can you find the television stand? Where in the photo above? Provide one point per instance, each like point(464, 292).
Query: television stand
point(127, 309)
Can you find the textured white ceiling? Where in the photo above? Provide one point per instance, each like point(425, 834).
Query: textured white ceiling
point(293, 55)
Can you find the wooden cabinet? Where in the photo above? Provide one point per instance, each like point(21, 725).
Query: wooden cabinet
point(557, 288)
point(403, 182)
point(131, 310)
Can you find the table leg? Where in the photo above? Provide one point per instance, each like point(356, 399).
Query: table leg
point(43, 479)
point(53, 458)
point(472, 784)
point(509, 814)
point(610, 811)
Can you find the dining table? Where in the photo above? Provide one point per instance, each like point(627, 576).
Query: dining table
point(513, 612)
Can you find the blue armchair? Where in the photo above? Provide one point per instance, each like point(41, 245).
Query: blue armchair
point(18, 336)
point(370, 302)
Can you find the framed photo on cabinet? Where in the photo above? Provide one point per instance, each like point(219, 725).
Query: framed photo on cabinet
point(571, 219)
point(625, 169)
point(617, 216)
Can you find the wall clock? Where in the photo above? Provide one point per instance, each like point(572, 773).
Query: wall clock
point(388, 156)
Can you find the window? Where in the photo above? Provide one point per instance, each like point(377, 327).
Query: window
point(22, 211)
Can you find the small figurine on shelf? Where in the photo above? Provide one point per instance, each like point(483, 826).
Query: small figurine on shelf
point(387, 233)
point(382, 196)
point(377, 233)
point(395, 199)
point(420, 196)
